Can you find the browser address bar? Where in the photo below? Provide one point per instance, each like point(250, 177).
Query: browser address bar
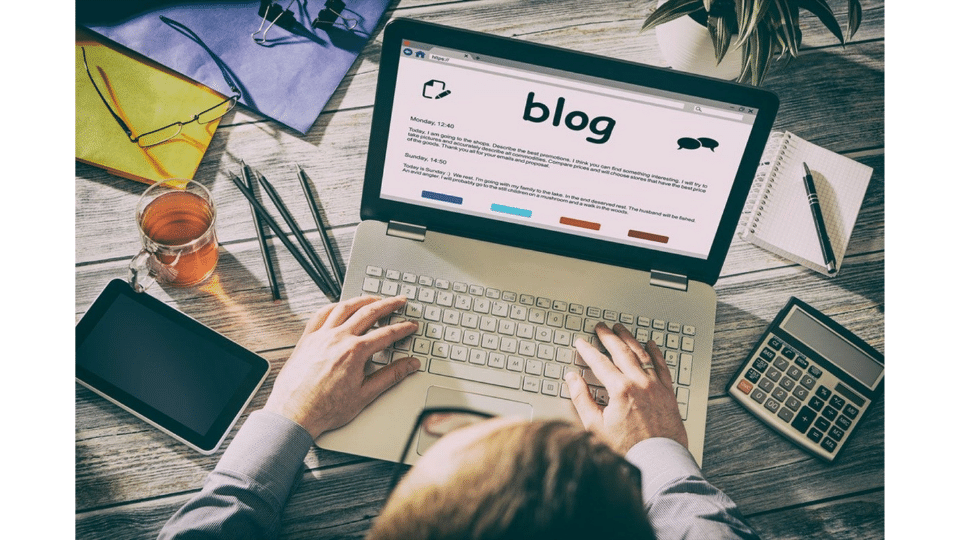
point(583, 86)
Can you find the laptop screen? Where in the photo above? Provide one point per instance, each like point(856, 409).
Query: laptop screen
point(516, 142)
point(560, 151)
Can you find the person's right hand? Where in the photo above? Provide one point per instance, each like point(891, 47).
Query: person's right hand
point(642, 403)
point(323, 386)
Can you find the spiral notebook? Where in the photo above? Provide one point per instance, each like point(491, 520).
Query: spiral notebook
point(777, 215)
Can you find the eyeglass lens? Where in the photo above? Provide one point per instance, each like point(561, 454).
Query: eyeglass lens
point(166, 133)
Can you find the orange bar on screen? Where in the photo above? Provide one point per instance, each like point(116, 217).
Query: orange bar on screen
point(580, 223)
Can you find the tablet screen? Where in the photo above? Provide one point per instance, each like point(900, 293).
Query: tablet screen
point(164, 366)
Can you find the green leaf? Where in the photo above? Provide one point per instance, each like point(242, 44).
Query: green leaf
point(706, 5)
point(670, 10)
point(854, 17)
point(788, 26)
point(822, 10)
point(720, 34)
point(749, 14)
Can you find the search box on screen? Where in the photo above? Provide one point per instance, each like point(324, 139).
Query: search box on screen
point(717, 112)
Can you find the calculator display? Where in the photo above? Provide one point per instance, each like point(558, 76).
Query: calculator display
point(831, 346)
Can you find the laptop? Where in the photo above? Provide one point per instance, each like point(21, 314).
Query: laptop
point(518, 194)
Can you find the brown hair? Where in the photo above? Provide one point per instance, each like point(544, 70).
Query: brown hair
point(548, 479)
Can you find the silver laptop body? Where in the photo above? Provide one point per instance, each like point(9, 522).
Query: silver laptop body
point(518, 194)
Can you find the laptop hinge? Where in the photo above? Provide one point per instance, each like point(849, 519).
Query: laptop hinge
point(406, 230)
point(668, 280)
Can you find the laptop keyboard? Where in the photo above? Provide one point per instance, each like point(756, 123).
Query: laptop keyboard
point(514, 340)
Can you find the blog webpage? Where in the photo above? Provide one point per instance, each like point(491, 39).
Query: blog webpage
point(625, 165)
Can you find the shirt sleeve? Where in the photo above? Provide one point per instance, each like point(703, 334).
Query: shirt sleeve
point(245, 494)
point(679, 502)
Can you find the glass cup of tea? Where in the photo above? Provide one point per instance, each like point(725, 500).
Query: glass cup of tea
point(175, 218)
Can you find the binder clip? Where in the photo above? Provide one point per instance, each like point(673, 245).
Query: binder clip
point(331, 13)
point(277, 15)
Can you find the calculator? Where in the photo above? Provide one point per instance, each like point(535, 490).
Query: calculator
point(810, 379)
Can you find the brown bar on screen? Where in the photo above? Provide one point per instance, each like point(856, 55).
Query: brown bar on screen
point(648, 236)
point(580, 223)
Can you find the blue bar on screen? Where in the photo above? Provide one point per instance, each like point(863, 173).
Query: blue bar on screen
point(441, 197)
point(511, 210)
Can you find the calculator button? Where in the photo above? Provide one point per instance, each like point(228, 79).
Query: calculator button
point(760, 364)
point(808, 382)
point(787, 383)
point(772, 405)
point(780, 394)
point(781, 364)
point(758, 396)
point(767, 354)
point(815, 435)
point(775, 343)
point(823, 393)
point(801, 361)
point(843, 422)
point(836, 433)
point(794, 372)
point(774, 374)
point(785, 414)
point(752, 375)
point(745, 386)
point(837, 402)
point(766, 385)
point(789, 353)
point(830, 413)
point(815, 372)
point(821, 423)
point(829, 444)
point(851, 411)
point(803, 419)
point(793, 403)
point(815, 403)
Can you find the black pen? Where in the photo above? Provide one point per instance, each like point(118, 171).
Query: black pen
point(307, 267)
point(271, 275)
point(818, 222)
point(324, 235)
point(298, 234)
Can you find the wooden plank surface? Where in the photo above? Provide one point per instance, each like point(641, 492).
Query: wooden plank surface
point(129, 478)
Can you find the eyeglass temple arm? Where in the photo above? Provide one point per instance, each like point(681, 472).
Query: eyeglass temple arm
point(190, 34)
point(116, 117)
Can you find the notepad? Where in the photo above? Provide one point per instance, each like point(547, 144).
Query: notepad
point(147, 96)
point(777, 215)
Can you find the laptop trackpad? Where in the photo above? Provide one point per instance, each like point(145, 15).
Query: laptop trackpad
point(438, 396)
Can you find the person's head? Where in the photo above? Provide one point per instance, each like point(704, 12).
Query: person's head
point(513, 479)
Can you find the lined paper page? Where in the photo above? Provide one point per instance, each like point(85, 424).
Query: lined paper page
point(784, 224)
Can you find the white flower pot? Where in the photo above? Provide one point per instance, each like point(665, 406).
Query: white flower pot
point(687, 46)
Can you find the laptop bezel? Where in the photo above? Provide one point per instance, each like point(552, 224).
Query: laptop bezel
point(703, 270)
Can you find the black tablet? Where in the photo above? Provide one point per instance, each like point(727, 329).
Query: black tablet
point(165, 367)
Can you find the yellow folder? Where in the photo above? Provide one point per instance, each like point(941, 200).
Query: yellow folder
point(147, 96)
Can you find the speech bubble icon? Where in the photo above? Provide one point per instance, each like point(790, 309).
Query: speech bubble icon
point(707, 142)
point(688, 143)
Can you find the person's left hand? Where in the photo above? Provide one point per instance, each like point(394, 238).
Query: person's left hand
point(322, 386)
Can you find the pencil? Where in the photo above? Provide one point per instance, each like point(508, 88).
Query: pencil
point(307, 267)
point(298, 234)
point(324, 234)
point(264, 249)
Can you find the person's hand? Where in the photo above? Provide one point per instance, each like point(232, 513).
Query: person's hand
point(322, 386)
point(642, 403)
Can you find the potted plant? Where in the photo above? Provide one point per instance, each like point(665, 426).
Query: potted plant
point(759, 28)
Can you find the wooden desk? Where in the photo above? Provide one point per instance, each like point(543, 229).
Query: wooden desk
point(130, 478)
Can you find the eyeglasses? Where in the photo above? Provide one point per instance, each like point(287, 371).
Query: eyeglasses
point(160, 135)
point(283, 17)
point(431, 425)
